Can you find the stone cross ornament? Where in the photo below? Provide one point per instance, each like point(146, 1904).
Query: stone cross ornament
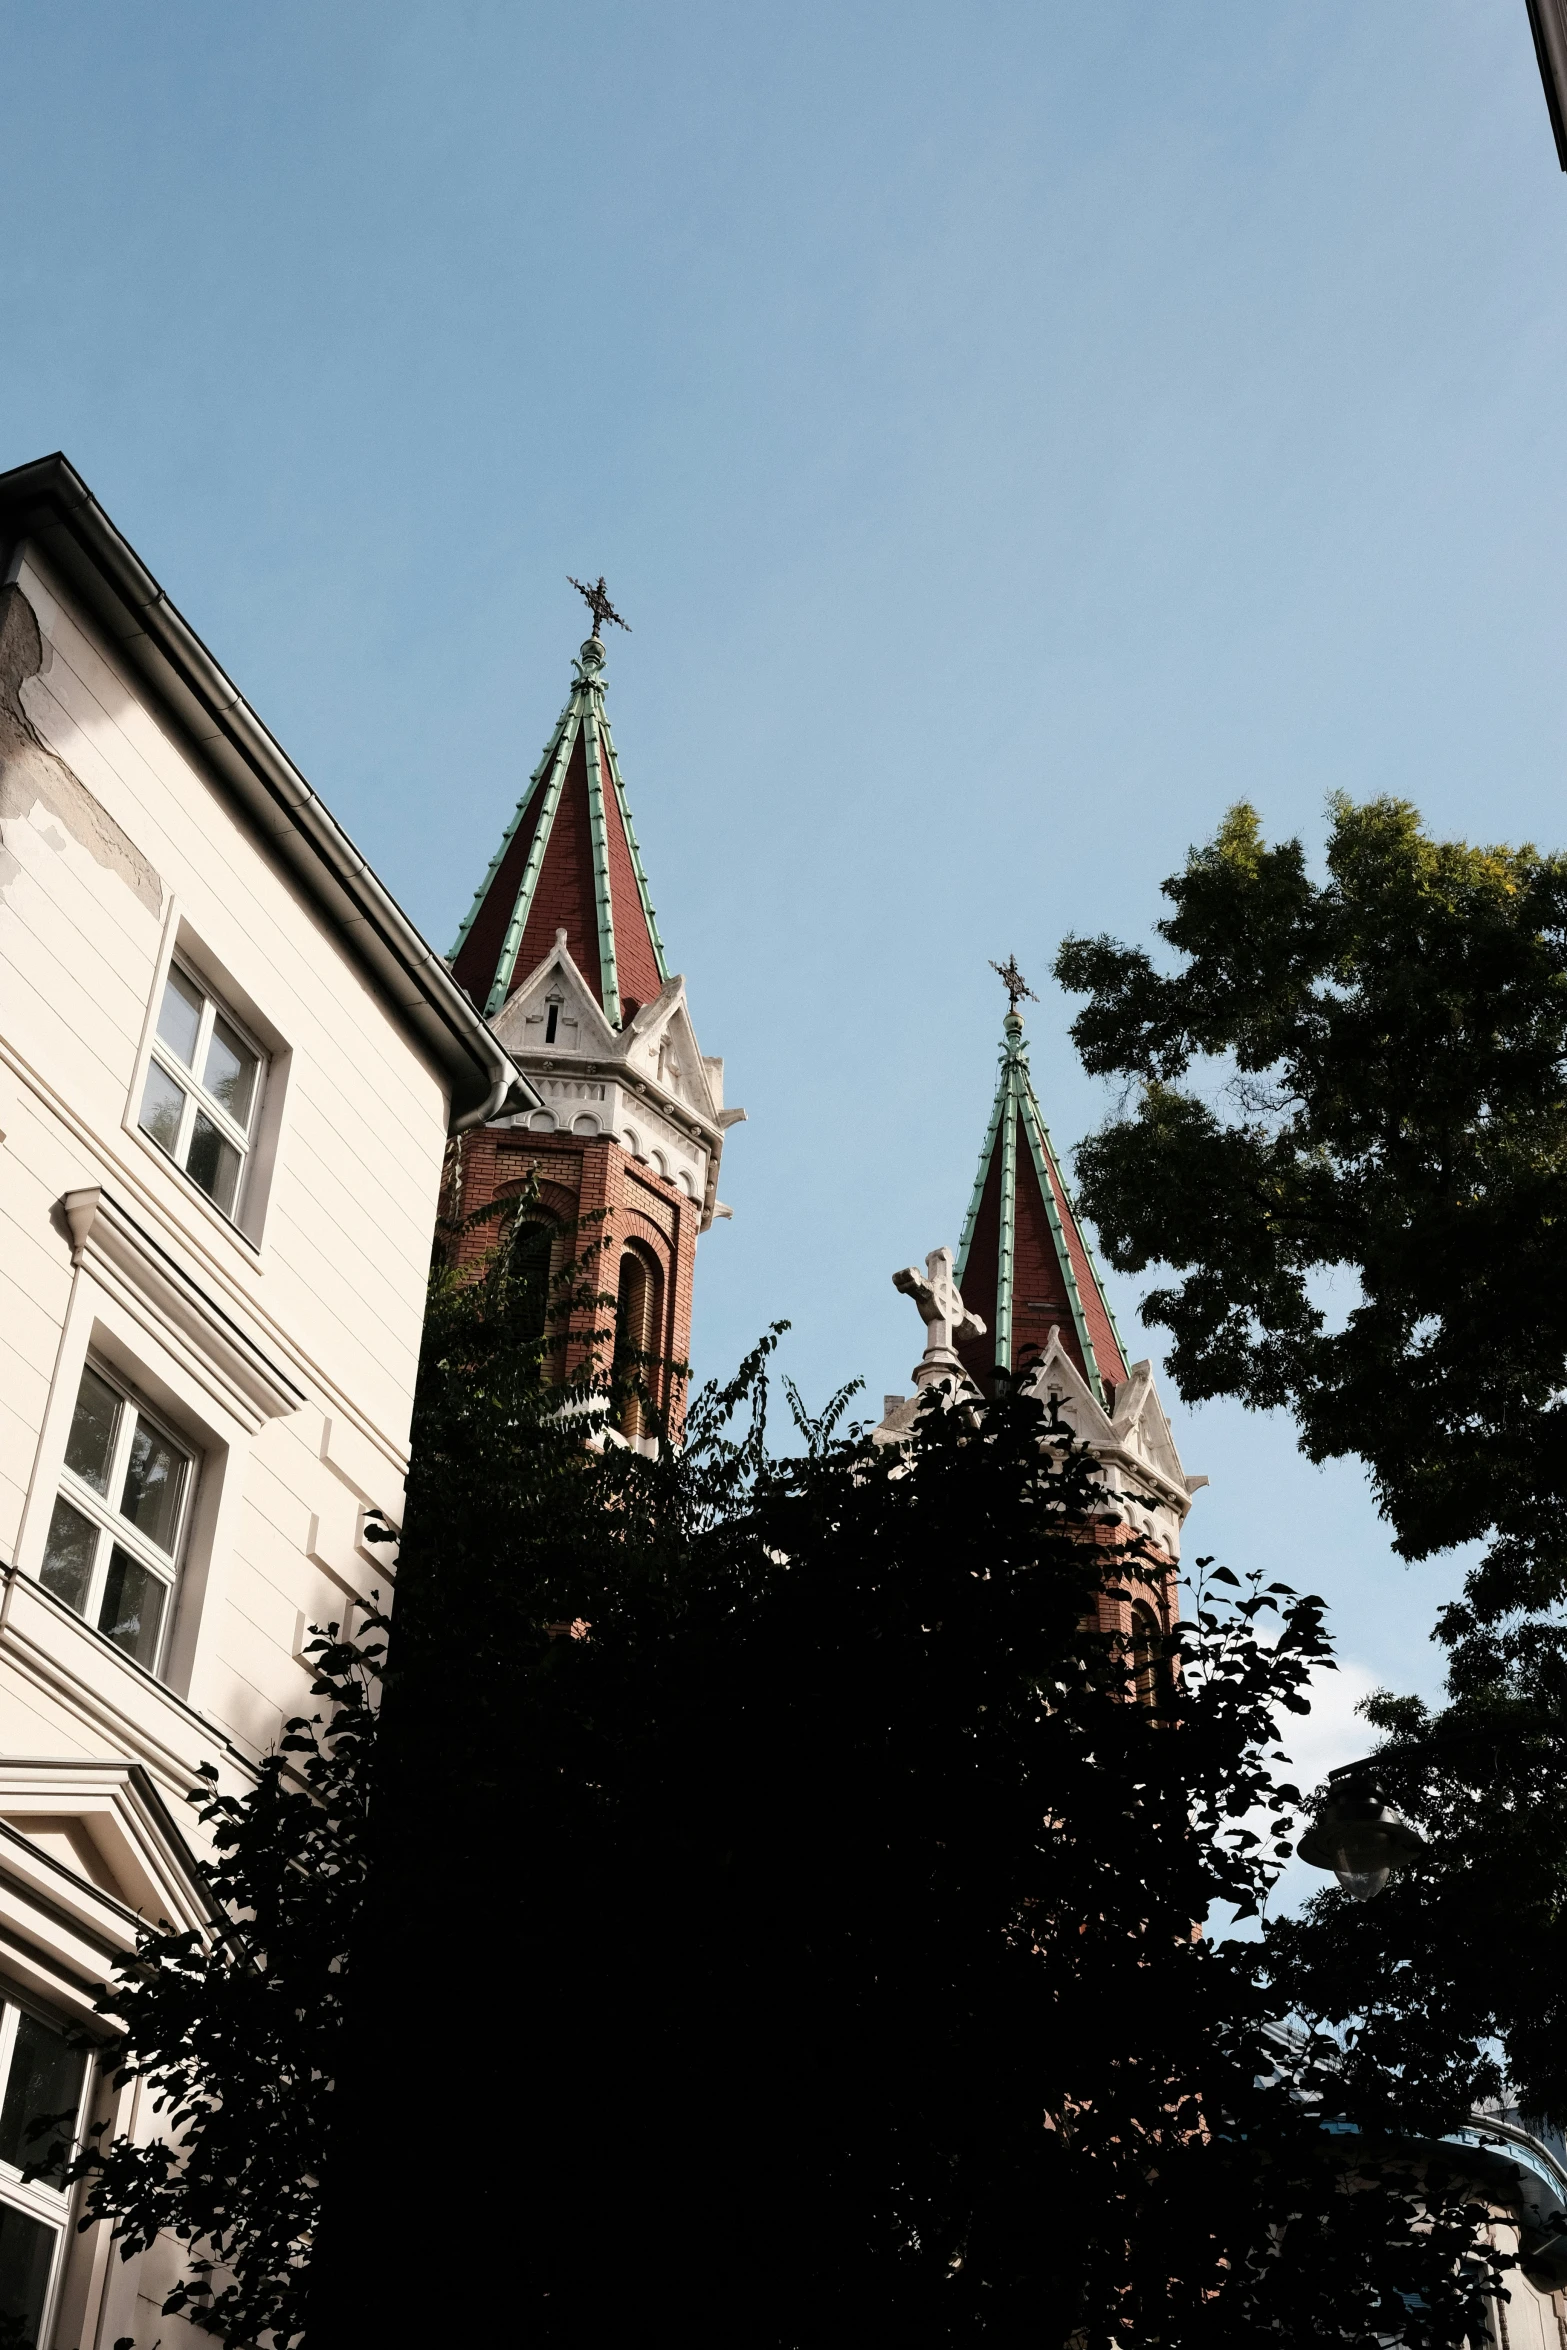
point(945, 1316)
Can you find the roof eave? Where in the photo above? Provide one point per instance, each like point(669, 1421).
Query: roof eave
point(49, 504)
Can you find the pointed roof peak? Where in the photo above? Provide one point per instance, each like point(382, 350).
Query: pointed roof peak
point(569, 861)
point(1024, 1261)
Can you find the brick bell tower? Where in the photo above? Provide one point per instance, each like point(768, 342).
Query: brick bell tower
point(561, 950)
point(1024, 1296)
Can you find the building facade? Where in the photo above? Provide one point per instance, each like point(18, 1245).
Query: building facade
point(229, 1069)
point(620, 1156)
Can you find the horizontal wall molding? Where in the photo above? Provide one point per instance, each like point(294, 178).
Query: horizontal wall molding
point(107, 1239)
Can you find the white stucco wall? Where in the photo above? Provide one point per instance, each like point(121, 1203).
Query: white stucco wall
point(326, 1290)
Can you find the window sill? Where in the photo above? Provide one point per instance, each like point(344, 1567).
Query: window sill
point(67, 1616)
point(192, 1191)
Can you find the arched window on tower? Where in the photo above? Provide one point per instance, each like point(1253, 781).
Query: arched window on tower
point(531, 1244)
point(636, 1333)
point(1146, 1658)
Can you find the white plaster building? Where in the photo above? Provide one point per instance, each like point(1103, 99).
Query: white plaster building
point(228, 1069)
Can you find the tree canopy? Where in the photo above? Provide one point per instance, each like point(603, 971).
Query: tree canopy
point(1355, 1086)
point(781, 1914)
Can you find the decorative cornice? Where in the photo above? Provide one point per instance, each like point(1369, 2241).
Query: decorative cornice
point(122, 1254)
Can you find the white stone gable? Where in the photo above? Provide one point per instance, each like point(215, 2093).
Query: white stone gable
point(648, 1084)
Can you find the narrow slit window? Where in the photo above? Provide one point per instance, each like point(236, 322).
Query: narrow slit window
point(202, 1090)
point(551, 1021)
point(1149, 1666)
point(636, 1337)
point(113, 1547)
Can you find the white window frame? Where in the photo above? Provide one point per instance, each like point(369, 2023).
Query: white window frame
point(240, 1138)
point(34, 2198)
point(116, 1530)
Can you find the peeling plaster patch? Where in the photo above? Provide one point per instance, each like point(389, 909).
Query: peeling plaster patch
point(31, 774)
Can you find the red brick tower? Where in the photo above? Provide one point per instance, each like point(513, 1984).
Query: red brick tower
point(1025, 1274)
point(561, 949)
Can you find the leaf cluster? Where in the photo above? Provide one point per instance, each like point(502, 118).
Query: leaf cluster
point(776, 1919)
point(1361, 1078)
point(234, 2029)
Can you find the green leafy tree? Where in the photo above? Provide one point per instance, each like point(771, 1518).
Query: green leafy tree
point(1361, 1076)
point(1360, 1079)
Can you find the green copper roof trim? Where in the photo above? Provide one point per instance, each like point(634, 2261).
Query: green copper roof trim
point(1099, 1284)
point(1015, 1099)
point(1006, 1238)
point(636, 853)
point(509, 835)
point(565, 744)
point(986, 1148)
point(584, 714)
point(1093, 1262)
point(1045, 1168)
point(609, 982)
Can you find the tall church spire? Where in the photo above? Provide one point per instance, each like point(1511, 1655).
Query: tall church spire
point(1025, 1296)
point(569, 861)
point(619, 1152)
point(1023, 1262)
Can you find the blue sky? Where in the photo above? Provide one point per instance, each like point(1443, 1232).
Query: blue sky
point(1014, 432)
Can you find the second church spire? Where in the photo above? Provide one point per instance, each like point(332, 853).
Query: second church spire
point(1023, 1262)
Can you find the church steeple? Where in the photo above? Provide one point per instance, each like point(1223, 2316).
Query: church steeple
point(622, 1144)
point(569, 861)
point(1023, 1262)
point(1025, 1296)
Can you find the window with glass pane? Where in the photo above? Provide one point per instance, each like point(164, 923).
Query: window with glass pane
point(42, 2083)
point(113, 1544)
point(202, 1090)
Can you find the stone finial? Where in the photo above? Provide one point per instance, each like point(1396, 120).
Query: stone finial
point(945, 1316)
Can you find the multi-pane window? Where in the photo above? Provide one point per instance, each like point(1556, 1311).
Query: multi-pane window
point(44, 2080)
point(202, 1091)
point(115, 1533)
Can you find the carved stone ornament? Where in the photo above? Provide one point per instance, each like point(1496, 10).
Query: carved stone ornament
point(945, 1316)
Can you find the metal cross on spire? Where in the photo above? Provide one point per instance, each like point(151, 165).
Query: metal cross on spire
point(1013, 981)
point(598, 603)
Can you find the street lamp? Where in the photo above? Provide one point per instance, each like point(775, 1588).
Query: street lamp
point(1358, 1835)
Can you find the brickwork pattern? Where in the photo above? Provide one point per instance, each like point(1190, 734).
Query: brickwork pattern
point(603, 1199)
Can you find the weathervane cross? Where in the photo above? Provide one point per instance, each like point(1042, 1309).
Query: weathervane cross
point(1013, 981)
point(598, 603)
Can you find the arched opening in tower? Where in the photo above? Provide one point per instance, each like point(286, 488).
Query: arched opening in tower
point(636, 1334)
point(1149, 1666)
point(531, 1244)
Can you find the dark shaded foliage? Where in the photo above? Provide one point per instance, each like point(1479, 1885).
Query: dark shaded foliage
point(1453, 1982)
point(843, 1903)
point(237, 2032)
point(779, 1926)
